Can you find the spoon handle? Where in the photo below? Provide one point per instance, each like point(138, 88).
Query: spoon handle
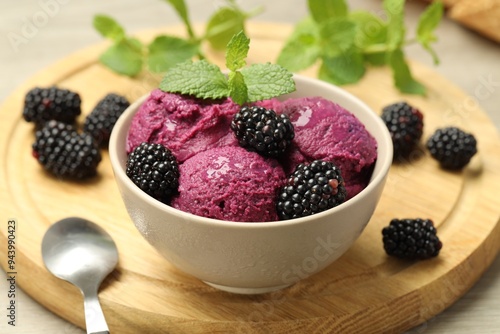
point(94, 317)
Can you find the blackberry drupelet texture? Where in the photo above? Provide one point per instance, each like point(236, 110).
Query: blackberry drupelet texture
point(310, 189)
point(53, 103)
point(452, 147)
point(411, 239)
point(63, 152)
point(262, 130)
point(154, 169)
point(103, 117)
point(405, 124)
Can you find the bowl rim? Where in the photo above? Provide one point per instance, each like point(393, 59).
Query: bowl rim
point(123, 123)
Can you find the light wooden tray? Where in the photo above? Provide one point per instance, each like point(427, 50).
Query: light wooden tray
point(365, 291)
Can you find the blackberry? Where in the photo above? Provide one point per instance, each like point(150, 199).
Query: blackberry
point(53, 103)
point(63, 152)
point(452, 147)
point(154, 169)
point(262, 130)
point(411, 239)
point(310, 189)
point(103, 117)
point(405, 124)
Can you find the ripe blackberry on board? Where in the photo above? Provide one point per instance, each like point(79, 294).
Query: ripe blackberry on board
point(405, 124)
point(53, 103)
point(452, 147)
point(65, 153)
point(411, 239)
point(100, 122)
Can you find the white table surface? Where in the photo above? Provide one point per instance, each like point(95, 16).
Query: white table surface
point(467, 59)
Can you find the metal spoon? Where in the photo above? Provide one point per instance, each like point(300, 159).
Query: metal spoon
point(82, 253)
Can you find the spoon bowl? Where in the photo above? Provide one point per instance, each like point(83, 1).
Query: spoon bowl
point(82, 253)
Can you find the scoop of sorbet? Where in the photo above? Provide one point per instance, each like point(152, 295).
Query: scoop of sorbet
point(325, 130)
point(231, 184)
point(184, 124)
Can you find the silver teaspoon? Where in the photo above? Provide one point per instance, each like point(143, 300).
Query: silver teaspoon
point(82, 253)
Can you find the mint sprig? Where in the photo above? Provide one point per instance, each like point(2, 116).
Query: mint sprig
point(345, 42)
point(166, 51)
point(182, 10)
point(243, 83)
point(324, 10)
point(226, 22)
point(128, 56)
point(427, 24)
point(125, 55)
point(237, 51)
point(199, 78)
point(265, 81)
point(108, 28)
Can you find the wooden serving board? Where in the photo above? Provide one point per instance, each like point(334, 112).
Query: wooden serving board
point(365, 291)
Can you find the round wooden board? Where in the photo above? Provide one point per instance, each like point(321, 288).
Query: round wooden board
point(364, 291)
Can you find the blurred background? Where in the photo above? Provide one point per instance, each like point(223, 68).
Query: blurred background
point(53, 29)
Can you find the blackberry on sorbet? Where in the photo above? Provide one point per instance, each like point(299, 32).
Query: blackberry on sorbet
point(411, 239)
point(100, 122)
point(62, 151)
point(405, 124)
point(310, 189)
point(53, 103)
point(154, 169)
point(452, 147)
point(262, 130)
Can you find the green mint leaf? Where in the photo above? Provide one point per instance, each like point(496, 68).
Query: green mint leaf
point(371, 30)
point(428, 22)
point(322, 10)
point(306, 46)
point(167, 51)
point(376, 58)
point(223, 25)
point(250, 84)
point(304, 41)
point(371, 36)
point(343, 69)
point(394, 10)
point(431, 51)
point(108, 27)
point(265, 81)
point(306, 26)
point(124, 57)
point(237, 88)
point(403, 78)
point(337, 36)
point(200, 78)
point(237, 51)
point(181, 9)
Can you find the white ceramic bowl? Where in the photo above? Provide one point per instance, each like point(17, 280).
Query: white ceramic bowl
point(255, 257)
